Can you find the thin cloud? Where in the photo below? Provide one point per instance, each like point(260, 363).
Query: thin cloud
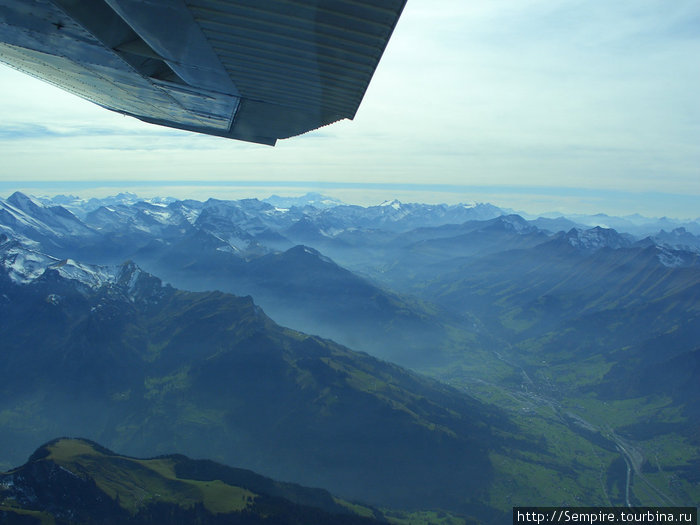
point(564, 93)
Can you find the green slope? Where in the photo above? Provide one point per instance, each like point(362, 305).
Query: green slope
point(75, 481)
point(209, 375)
point(603, 350)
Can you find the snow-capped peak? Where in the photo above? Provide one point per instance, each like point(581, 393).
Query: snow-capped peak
point(91, 275)
point(396, 204)
point(24, 202)
point(25, 266)
point(596, 238)
point(22, 264)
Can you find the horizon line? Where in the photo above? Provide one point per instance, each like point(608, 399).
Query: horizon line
point(641, 200)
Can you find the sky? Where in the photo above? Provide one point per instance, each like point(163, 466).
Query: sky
point(573, 106)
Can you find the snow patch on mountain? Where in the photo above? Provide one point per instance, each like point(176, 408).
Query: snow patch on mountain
point(163, 217)
point(21, 264)
point(596, 238)
point(393, 204)
point(90, 275)
point(81, 207)
point(676, 258)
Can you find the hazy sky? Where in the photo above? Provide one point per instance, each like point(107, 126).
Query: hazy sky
point(568, 105)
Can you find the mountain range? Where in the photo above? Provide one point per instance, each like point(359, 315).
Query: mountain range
point(570, 348)
point(113, 354)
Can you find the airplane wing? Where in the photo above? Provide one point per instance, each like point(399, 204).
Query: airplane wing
point(253, 70)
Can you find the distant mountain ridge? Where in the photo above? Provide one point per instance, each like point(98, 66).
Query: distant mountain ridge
point(310, 199)
point(636, 224)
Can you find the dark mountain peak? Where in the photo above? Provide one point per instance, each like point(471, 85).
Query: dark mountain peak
point(679, 234)
point(678, 239)
point(254, 204)
point(514, 223)
point(302, 252)
point(145, 205)
point(305, 229)
point(212, 201)
point(137, 284)
point(646, 242)
point(128, 270)
point(186, 203)
point(251, 205)
point(512, 218)
point(215, 209)
point(111, 217)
